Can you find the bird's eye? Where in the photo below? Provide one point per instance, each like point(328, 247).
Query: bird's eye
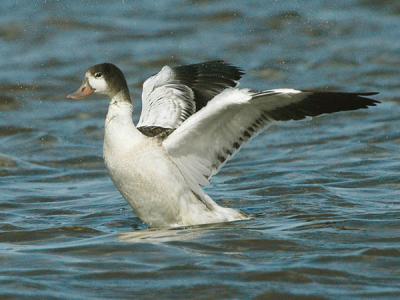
point(98, 75)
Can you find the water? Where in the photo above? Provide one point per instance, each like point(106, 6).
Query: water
point(324, 192)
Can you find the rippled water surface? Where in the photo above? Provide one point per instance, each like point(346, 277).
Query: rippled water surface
point(324, 192)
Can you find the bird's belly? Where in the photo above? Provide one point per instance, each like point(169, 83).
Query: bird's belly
point(151, 184)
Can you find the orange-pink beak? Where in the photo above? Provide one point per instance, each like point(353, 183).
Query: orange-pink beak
point(85, 90)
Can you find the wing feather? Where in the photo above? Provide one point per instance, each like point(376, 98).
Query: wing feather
point(206, 140)
point(174, 94)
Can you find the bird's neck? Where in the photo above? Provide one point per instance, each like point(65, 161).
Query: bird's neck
point(121, 97)
point(120, 108)
point(120, 111)
point(120, 133)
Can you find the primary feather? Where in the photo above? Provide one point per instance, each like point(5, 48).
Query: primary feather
point(174, 94)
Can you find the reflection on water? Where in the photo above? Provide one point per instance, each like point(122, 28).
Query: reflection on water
point(160, 235)
point(324, 192)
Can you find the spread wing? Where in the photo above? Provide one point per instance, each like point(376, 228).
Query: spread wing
point(174, 94)
point(206, 140)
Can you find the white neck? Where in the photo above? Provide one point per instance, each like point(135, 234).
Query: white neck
point(120, 132)
point(121, 112)
point(120, 108)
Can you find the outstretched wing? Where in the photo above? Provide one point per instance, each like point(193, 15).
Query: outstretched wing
point(206, 140)
point(174, 94)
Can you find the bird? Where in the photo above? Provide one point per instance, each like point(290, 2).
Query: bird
point(194, 119)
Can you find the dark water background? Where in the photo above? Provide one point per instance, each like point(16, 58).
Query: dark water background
point(325, 192)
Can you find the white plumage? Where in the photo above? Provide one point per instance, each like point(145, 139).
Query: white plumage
point(194, 119)
point(165, 102)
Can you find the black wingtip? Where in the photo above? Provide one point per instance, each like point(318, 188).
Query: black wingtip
point(367, 93)
point(221, 65)
point(239, 70)
point(207, 79)
point(316, 103)
point(364, 96)
point(368, 101)
point(341, 101)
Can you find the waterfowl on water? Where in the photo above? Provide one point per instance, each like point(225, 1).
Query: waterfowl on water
point(194, 119)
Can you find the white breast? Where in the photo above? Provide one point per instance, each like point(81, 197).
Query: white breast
point(141, 171)
point(149, 179)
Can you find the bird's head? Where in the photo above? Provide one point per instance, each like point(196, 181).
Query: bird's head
point(105, 79)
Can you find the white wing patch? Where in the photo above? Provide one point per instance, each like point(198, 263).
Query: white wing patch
point(174, 94)
point(206, 140)
point(165, 103)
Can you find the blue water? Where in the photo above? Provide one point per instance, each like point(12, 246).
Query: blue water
point(324, 192)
